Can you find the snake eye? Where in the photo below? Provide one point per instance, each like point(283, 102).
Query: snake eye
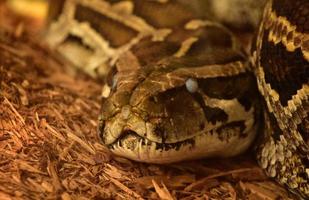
point(192, 85)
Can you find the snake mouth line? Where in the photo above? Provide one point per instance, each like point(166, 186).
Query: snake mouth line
point(131, 140)
point(206, 144)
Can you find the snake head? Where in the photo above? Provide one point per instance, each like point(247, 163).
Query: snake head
point(177, 111)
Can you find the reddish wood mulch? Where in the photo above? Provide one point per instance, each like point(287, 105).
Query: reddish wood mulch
point(49, 148)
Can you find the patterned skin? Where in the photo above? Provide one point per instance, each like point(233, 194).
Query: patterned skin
point(282, 72)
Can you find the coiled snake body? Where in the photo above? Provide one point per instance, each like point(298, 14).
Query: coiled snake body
point(180, 87)
point(282, 72)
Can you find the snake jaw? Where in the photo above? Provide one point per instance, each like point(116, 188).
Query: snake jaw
point(130, 135)
point(141, 149)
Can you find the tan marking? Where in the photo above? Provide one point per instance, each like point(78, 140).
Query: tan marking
point(162, 84)
point(234, 110)
point(274, 94)
point(124, 7)
point(161, 34)
point(291, 35)
point(185, 46)
point(272, 99)
point(169, 78)
point(59, 29)
point(198, 23)
point(195, 24)
point(106, 9)
point(296, 101)
point(69, 9)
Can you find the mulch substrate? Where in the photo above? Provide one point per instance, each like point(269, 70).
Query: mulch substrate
point(49, 147)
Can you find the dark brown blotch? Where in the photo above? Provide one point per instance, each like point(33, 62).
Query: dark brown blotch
point(212, 115)
point(231, 129)
point(241, 87)
point(287, 75)
point(163, 15)
point(115, 32)
point(296, 12)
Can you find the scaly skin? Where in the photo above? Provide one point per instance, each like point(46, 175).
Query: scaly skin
point(282, 72)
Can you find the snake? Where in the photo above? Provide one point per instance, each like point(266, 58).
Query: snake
point(180, 86)
point(282, 72)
